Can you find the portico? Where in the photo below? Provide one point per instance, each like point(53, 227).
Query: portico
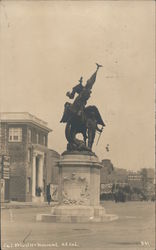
point(37, 176)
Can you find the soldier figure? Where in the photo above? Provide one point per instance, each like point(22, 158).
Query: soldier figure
point(77, 89)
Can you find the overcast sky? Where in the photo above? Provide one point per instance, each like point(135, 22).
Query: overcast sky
point(47, 45)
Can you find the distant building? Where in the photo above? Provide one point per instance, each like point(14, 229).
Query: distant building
point(111, 174)
point(142, 181)
point(148, 174)
point(24, 156)
point(148, 185)
point(135, 179)
point(105, 171)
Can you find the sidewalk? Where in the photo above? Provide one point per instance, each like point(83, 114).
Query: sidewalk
point(17, 204)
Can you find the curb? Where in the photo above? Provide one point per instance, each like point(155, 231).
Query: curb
point(17, 206)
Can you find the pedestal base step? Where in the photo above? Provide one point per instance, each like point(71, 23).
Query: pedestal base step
point(74, 219)
point(76, 214)
point(37, 199)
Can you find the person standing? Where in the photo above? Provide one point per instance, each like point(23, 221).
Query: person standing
point(48, 194)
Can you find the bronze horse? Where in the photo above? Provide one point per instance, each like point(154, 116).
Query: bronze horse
point(85, 124)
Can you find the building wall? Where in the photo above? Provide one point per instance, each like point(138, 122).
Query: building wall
point(41, 133)
point(3, 138)
point(52, 167)
point(20, 164)
point(18, 157)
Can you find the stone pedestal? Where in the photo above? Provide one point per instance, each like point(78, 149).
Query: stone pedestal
point(79, 191)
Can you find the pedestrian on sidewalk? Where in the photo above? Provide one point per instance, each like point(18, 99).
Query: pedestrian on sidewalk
point(48, 194)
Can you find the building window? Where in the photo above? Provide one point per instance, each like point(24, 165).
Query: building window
point(29, 135)
point(28, 184)
point(15, 134)
point(29, 155)
point(37, 138)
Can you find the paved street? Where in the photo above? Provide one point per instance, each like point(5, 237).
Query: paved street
point(133, 230)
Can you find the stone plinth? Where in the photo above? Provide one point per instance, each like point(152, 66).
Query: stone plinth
point(79, 182)
point(79, 191)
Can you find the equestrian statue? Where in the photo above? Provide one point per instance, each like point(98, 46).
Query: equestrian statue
point(80, 118)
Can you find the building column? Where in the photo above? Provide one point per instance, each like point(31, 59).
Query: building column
point(34, 176)
point(40, 174)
